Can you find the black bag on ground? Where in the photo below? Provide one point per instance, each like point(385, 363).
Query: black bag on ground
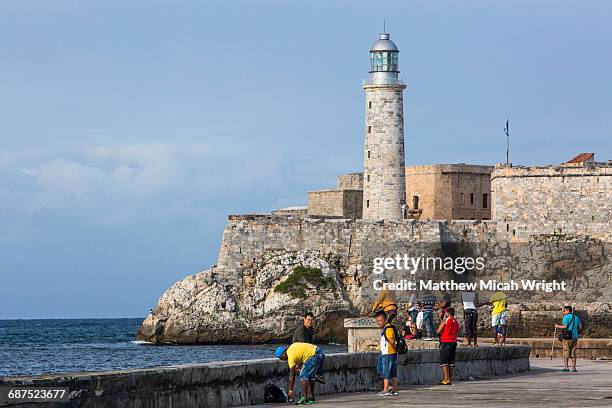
point(274, 394)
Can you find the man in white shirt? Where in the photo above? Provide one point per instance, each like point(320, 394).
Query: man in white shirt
point(470, 317)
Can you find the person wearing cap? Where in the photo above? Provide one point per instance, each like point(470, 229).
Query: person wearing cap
point(311, 358)
point(385, 301)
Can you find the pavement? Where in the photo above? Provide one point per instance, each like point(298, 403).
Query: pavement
point(544, 386)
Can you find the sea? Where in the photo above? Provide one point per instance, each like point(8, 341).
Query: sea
point(41, 346)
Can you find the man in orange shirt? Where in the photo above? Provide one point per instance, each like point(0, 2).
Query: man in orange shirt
point(385, 301)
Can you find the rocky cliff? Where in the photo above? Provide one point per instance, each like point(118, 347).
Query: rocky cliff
point(238, 300)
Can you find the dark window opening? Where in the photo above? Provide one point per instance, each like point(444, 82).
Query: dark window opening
point(369, 129)
point(367, 203)
point(370, 105)
point(471, 198)
point(368, 177)
point(507, 227)
point(485, 200)
point(415, 202)
point(368, 154)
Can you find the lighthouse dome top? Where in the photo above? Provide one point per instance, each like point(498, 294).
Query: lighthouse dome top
point(384, 44)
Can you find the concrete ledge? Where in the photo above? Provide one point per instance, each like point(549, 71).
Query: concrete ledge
point(236, 383)
point(541, 348)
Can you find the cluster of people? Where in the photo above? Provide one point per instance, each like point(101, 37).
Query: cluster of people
point(427, 313)
point(306, 360)
point(427, 319)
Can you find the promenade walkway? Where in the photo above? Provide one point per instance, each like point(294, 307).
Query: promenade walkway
point(544, 386)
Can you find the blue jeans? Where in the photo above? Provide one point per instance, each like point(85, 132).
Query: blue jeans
point(313, 366)
point(428, 322)
point(386, 366)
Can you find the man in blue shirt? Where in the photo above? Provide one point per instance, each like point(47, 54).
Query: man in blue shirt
point(571, 322)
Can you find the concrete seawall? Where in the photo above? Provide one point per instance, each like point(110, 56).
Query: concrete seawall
point(237, 383)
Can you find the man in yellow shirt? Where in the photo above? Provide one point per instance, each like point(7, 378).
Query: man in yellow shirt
point(386, 364)
point(311, 358)
point(499, 316)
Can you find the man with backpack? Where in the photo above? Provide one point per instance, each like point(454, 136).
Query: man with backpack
point(570, 328)
point(391, 343)
point(448, 330)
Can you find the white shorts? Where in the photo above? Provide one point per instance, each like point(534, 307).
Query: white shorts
point(499, 319)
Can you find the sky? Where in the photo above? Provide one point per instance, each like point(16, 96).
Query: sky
point(130, 130)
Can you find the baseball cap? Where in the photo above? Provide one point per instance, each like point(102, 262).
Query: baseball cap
point(279, 351)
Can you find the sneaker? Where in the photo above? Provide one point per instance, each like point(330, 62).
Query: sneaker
point(319, 379)
point(392, 394)
point(304, 401)
point(574, 370)
point(382, 394)
point(565, 370)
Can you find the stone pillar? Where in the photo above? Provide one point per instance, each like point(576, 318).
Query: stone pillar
point(384, 185)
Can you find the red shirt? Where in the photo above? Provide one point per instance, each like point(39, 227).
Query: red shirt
point(450, 331)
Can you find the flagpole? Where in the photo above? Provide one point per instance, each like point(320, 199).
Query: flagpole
point(507, 132)
point(507, 149)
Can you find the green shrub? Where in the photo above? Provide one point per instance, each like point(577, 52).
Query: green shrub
point(300, 278)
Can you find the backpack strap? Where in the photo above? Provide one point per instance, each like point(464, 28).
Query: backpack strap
point(571, 323)
point(384, 331)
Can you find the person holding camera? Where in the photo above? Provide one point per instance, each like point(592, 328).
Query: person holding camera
point(570, 328)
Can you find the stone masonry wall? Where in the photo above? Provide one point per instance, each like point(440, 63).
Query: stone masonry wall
point(325, 203)
point(384, 190)
point(552, 200)
point(445, 191)
point(239, 383)
point(343, 203)
point(350, 181)
point(237, 301)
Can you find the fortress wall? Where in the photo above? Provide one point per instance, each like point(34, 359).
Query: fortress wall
point(236, 300)
point(552, 200)
point(445, 190)
point(247, 238)
point(239, 383)
point(325, 203)
point(350, 181)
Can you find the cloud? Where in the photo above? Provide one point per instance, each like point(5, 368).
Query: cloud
point(126, 221)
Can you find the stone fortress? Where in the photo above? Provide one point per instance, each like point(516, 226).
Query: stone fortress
point(548, 222)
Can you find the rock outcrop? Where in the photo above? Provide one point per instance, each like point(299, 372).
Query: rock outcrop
point(202, 309)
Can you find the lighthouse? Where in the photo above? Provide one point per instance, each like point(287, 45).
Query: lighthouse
point(384, 185)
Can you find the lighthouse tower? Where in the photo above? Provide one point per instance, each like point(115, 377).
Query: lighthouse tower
point(384, 185)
